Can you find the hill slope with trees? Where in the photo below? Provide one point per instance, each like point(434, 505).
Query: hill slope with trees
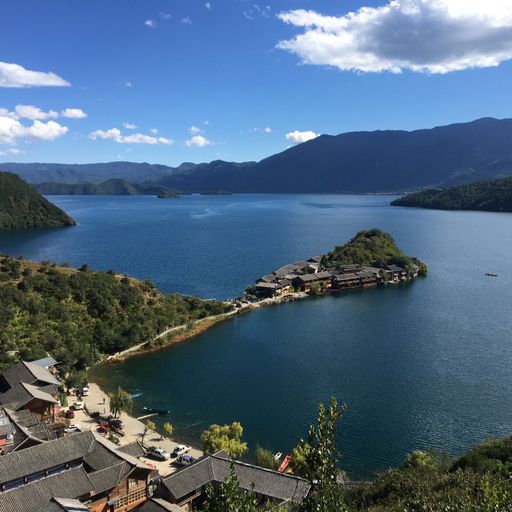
point(78, 315)
point(491, 196)
point(21, 207)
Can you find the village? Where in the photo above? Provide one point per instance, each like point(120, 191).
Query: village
point(62, 458)
point(315, 277)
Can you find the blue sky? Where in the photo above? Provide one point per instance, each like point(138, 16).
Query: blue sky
point(231, 78)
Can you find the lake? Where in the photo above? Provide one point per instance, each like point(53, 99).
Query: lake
point(421, 365)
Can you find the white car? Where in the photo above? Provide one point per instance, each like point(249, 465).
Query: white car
point(85, 391)
point(181, 449)
point(158, 453)
point(74, 427)
point(78, 405)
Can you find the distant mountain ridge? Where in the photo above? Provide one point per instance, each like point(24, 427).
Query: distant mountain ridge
point(353, 162)
point(114, 186)
point(22, 207)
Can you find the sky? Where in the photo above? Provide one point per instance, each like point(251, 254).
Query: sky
point(172, 81)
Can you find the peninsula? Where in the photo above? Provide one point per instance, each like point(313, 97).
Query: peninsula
point(491, 196)
point(21, 207)
point(370, 259)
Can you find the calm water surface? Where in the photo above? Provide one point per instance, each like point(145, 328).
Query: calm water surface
point(420, 365)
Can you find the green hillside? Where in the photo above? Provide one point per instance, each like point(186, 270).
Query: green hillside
point(491, 196)
point(373, 248)
point(79, 315)
point(21, 207)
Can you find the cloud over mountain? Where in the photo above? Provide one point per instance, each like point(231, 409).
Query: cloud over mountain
point(430, 36)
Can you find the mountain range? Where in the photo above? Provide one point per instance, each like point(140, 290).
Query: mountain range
point(354, 162)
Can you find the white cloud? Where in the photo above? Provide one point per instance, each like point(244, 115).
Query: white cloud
point(206, 123)
point(12, 151)
point(150, 23)
point(73, 113)
point(47, 131)
point(134, 138)
point(194, 130)
point(198, 141)
point(267, 129)
point(186, 20)
point(264, 130)
point(31, 112)
point(257, 10)
point(154, 131)
point(14, 75)
point(432, 36)
point(297, 137)
point(130, 126)
point(128, 84)
point(11, 130)
point(165, 16)
point(208, 5)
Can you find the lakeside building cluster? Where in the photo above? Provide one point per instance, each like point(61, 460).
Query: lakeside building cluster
point(45, 468)
point(314, 276)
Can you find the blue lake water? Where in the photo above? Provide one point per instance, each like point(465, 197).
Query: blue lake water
point(421, 365)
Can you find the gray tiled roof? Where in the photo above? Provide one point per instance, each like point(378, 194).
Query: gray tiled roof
point(157, 505)
point(34, 497)
point(41, 374)
point(217, 467)
point(29, 373)
point(45, 362)
point(66, 505)
point(95, 452)
point(134, 449)
point(311, 278)
point(110, 477)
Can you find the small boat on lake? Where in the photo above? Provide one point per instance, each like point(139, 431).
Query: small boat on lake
point(137, 394)
point(491, 274)
point(155, 410)
point(278, 456)
point(284, 464)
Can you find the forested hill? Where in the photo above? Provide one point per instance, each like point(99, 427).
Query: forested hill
point(114, 186)
point(374, 248)
point(78, 315)
point(491, 196)
point(21, 207)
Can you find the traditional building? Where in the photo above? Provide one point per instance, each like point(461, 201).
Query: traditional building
point(186, 487)
point(305, 282)
point(82, 467)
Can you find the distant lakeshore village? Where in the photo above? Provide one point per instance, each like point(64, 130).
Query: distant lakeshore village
point(314, 277)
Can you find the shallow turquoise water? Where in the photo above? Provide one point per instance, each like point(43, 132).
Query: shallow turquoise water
point(420, 365)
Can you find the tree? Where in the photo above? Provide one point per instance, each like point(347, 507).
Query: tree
point(226, 438)
point(120, 401)
point(168, 430)
point(266, 459)
point(150, 425)
point(321, 461)
point(230, 497)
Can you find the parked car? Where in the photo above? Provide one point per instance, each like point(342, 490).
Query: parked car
point(181, 449)
point(116, 423)
point(78, 405)
point(85, 391)
point(184, 460)
point(158, 453)
point(74, 427)
point(70, 414)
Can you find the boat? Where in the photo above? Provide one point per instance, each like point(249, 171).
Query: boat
point(284, 464)
point(491, 274)
point(278, 455)
point(154, 410)
point(137, 394)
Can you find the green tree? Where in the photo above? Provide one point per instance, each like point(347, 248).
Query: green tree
point(120, 401)
point(168, 430)
point(226, 438)
point(322, 457)
point(230, 497)
point(265, 458)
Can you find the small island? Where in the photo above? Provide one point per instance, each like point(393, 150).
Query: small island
point(22, 207)
point(216, 193)
point(490, 196)
point(168, 195)
point(370, 259)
